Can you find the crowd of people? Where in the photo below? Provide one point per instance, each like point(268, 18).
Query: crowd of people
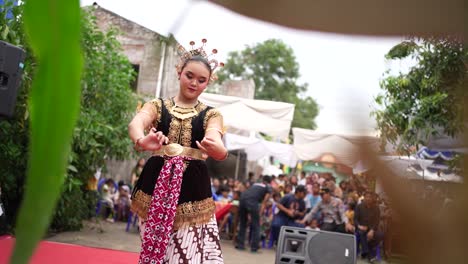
point(313, 201)
point(115, 198)
point(260, 207)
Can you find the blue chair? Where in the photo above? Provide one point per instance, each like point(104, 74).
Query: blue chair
point(131, 218)
point(98, 207)
point(358, 247)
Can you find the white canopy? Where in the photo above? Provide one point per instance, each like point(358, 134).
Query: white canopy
point(412, 168)
point(258, 148)
point(311, 145)
point(272, 118)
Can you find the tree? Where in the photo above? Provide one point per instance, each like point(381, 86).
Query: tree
point(275, 71)
point(429, 99)
point(107, 105)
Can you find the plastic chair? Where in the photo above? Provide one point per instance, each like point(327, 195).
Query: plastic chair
point(131, 217)
point(98, 207)
point(358, 247)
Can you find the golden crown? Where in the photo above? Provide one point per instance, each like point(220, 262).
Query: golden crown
point(185, 55)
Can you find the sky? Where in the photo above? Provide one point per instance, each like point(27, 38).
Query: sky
point(343, 72)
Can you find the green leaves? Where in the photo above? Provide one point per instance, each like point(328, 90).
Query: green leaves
point(428, 100)
point(275, 71)
point(107, 105)
point(402, 50)
point(53, 28)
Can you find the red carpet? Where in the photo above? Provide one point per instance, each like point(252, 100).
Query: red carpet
point(58, 253)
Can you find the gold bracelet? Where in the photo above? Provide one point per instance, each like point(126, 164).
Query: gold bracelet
point(215, 128)
point(225, 157)
point(145, 112)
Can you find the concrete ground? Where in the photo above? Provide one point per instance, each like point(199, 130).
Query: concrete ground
point(103, 234)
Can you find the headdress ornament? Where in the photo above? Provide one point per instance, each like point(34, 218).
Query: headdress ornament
point(185, 55)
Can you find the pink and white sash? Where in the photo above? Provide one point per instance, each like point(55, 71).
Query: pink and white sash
point(161, 214)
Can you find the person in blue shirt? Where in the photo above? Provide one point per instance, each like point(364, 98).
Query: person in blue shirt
point(313, 198)
point(291, 208)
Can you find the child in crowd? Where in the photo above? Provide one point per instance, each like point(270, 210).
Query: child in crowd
point(123, 203)
point(266, 219)
point(224, 194)
point(224, 198)
point(350, 214)
point(313, 225)
point(106, 204)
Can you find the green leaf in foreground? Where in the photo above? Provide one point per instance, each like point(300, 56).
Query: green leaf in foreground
point(53, 28)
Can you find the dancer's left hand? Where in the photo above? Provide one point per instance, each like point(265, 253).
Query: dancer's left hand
point(212, 148)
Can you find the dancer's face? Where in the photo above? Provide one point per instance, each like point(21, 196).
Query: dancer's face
point(194, 79)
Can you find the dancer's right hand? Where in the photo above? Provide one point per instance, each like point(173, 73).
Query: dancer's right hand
point(153, 140)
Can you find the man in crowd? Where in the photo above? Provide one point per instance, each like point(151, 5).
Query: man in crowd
point(332, 211)
point(249, 204)
point(314, 197)
point(366, 219)
point(291, 208)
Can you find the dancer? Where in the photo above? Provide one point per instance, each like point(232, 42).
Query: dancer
point(172, 196)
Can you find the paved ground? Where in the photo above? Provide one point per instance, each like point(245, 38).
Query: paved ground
point(112, 235)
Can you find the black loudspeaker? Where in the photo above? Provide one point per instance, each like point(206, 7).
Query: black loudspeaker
point(303, 246)
point(11, 68)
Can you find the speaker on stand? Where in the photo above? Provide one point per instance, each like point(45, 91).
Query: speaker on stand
point(304, 246)
point(11, 67)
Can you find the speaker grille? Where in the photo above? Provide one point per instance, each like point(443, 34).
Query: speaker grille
point(298, 245)
point(326, 248)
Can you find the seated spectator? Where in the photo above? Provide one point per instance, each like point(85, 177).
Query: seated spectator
point(106, 204)
point(332, 211)
point(223, 194)
point(215, 187)
point(350, 215)
point(123, 203)
point(366, 218)
point(223, 197)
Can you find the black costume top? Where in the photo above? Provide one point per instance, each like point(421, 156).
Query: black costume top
point(183, 126)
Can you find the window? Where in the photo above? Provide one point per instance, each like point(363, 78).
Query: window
point(134, 83)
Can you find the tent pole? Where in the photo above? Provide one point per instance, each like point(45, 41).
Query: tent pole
point(237, 164)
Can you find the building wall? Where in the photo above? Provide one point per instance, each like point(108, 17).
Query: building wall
point(170, 82)
point(142, 47)
point(242, 88)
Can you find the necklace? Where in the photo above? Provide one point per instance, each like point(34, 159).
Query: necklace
point(183, 112)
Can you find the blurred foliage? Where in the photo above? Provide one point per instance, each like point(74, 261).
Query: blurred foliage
point(428, 100)
point(275, 71)
point(107, 105)
point(53, 103)
point(13, 151)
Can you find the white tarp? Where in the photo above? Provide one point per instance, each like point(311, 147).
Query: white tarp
point(311, 145)
point(256, 148)
point(269, 117)
point(413, 168)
